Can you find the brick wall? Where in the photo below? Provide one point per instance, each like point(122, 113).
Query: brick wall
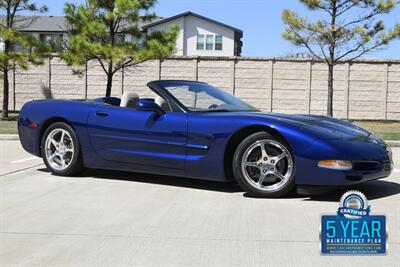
point(368, 89)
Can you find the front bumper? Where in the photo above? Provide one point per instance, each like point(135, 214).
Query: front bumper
point(321, 176)
point(371, 161)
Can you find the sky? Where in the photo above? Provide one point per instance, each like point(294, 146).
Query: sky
point(260, 21)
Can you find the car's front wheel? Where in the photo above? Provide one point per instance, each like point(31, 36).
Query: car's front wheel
point(263, 166)
point(61, 150)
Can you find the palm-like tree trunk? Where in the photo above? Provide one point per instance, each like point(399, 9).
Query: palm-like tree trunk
point(330, 90)
point(6, 83)
point(110, 75)
point(6, 89)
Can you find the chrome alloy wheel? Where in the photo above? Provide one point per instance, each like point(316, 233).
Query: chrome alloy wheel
point(59, 149)
point(267, 165)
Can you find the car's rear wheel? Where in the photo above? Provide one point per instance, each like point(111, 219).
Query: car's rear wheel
point(263, 166)
point(61, 150)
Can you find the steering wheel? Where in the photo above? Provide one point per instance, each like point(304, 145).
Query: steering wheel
point(213, 106)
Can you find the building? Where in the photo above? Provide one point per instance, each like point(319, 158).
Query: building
point(199, 35)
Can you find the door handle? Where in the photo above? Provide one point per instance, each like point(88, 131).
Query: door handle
point(102, 113)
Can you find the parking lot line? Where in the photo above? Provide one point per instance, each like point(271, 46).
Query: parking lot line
point(23, 160)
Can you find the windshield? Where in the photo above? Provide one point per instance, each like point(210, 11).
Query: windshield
point(202, 97)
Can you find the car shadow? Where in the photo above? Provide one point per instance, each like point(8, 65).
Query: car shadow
point(228, 187)
point(291, 195)
point(373, 190)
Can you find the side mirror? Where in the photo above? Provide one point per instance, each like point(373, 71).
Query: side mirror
point(148, 104)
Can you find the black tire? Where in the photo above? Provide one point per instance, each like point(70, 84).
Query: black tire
point(75, 164)
point(248, 186)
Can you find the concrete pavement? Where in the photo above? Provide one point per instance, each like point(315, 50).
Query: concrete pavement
point(14, 158)
point(115, 218)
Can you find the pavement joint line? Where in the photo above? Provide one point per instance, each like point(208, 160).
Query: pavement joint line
point(169, 238)
point(20, 170)
point(23, 160)
point(165, 238)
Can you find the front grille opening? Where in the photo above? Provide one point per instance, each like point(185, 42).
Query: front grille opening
point(366, 165)
point(354, 177)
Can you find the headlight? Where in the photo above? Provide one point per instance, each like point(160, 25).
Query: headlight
point(335, 164)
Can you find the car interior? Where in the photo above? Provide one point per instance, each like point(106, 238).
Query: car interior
point(162, 103)
point(129, 100)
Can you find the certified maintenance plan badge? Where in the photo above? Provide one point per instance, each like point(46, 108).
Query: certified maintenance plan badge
point(353, 230)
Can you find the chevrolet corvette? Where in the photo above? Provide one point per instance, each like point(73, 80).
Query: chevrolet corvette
point(192, 129)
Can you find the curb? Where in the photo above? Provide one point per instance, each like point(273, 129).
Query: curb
point(9, 137)
point(392, 143)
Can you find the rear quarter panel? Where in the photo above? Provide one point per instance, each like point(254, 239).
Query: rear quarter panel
point(45, 112)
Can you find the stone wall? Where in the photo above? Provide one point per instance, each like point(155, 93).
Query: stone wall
point(368, 89)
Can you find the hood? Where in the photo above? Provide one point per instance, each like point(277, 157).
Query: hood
point(324, 127)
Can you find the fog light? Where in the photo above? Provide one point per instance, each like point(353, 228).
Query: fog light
point(335, 164)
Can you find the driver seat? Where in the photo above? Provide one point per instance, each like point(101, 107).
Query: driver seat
point(129, 100)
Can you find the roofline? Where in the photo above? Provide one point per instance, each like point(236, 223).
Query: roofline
point(177, 80)
point(188, 13)
point(44, 31)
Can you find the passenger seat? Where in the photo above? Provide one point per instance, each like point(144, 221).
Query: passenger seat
point(162, 103)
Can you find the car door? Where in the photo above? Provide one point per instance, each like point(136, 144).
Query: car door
point(138, 137)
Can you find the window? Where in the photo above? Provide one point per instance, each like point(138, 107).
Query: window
point(209, 42)
point(120, 39)
point(140, 41)
point(54, 40)
point(51, 38)
point(218, 42)
point(202, 97)
point(200, 42)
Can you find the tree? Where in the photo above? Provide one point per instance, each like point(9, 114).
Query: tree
point(347, 30)
point(30, 50)
point(96, 32)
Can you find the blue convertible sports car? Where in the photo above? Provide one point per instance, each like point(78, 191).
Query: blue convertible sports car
point(193, 129)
